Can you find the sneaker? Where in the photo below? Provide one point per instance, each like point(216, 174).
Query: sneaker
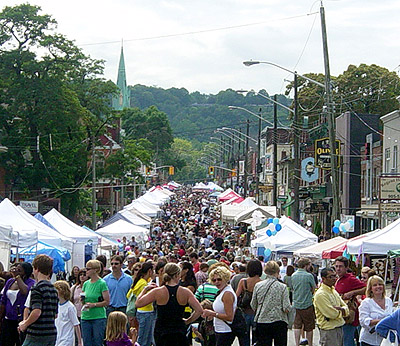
point(304, 342)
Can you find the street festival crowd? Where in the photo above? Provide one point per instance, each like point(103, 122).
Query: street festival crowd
point(195, 280)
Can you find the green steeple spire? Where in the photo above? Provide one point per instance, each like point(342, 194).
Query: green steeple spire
point(123, 99)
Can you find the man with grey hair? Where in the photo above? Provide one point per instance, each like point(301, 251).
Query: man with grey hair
point(303, 288)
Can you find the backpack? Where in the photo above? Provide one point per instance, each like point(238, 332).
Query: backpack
point(245, 298)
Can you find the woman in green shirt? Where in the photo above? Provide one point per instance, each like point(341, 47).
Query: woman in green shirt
point(96, 298)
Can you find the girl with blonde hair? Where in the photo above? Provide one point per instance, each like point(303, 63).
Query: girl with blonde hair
point(116, 330)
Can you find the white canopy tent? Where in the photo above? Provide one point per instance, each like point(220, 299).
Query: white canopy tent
point(290, 238)
point(121, 228)
point(69, 229)
point(229, 211)
point(27, 230)
point(152, 198)
point(267, 211)
point(378, 242)
point(135, 217)
point(143, 207)
point(5, 245)
point(315, 251)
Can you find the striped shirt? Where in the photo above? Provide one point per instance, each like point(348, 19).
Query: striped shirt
point(44, 297)
point(206, 291)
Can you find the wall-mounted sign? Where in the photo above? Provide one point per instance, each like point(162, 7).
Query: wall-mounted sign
point(241, 167)
point(389, 187)
point(323, 153)
point(31, 207)
point(268, 163)
point(309, 172)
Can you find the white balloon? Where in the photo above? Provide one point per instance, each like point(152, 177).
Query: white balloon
point(267, 244)
point(309, 223)
point(271, 227)
point(347, 225)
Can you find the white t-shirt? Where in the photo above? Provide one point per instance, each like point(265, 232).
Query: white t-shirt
point(282, 271)
point(65, 322)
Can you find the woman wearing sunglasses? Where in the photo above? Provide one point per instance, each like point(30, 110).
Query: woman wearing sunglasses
point(224, 306)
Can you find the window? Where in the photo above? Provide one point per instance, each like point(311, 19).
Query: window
point(394, 166)
point(387, 159)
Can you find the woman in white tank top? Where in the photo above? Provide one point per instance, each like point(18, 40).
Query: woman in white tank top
point(224, 306)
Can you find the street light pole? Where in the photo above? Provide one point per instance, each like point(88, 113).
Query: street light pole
point(331, 122)
point(258, 163)
point(245, 157)
point(275, 157)
point(296, 156)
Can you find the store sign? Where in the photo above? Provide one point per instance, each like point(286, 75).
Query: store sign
point(390, 187)
point(241, 167)
point(309, 172)
point(31, 207)
point(390, 207)
point(323, 153)
point(268, 163)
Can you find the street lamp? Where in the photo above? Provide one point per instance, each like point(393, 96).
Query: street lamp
point(331, 118)
point(250, 112)
point(223, 143)
point(231, 129)
point(235, 137)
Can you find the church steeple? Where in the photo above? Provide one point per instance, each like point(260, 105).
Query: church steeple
point(123, 99)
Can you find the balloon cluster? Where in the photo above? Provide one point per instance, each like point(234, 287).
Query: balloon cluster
point(121, 247)
point(273, 226)
point(342, 226)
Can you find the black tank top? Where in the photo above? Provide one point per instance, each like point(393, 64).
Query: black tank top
point(170, 315)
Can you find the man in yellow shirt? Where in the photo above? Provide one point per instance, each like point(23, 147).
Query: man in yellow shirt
point(329, 310)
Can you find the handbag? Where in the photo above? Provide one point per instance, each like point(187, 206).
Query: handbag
point(291, 315)
point(238, 325)
point(387, 342)
point(245, 298)
point(352, 305)
point(131, 307)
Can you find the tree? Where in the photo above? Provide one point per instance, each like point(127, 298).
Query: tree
point(51, 101)
point(151, 124)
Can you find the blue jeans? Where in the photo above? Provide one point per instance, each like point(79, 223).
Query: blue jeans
point(251, 326)
point(93, 331)
point(40, 340)
point(147, 321)
point(348, 335)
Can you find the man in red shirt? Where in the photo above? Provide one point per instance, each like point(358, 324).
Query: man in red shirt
point(194, 259)
point(348, 286)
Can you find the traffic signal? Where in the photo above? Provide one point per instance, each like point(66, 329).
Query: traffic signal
point(234, 173)
point(148, 170)
point(211, 170)
point(171, 170)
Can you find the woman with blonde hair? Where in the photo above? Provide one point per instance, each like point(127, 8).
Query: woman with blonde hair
point(373, 308)
point(96, 298)
point(224, 306)
point(171, 300)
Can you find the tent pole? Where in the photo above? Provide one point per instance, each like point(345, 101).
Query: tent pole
point(362, 260)
point(397, 290)
point(386, 268)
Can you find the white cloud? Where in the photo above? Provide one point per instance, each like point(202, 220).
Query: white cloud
point(359, 31)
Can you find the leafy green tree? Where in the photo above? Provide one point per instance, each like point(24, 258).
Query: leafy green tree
point(51, 101)
point(151, 124)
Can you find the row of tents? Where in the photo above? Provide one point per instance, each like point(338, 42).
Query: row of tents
point(54, 234)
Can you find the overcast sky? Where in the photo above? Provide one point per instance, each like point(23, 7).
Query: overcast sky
point(200, 44)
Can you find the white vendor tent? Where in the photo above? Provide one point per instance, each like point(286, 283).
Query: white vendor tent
point(121, 228)
point(378, 242)
point(267, 211)
point(290, 238)
point(152, 198)
point(214, 187)
point(315, 251)
point(69, 229)
point(143, 207)
point(229, 211)
point(130, 215)
point(27, 230)
point(5, 245)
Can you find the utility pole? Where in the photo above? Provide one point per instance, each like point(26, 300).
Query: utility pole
point(245, 157)
point(296, 156)
point(238, 163)
point(331, 123)
point(275, 156)
point(258, 162)
point(94, 221)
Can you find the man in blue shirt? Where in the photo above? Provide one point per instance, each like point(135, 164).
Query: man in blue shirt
point(118, 284)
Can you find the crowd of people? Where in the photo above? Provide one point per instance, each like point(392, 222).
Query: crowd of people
point(194, 280)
